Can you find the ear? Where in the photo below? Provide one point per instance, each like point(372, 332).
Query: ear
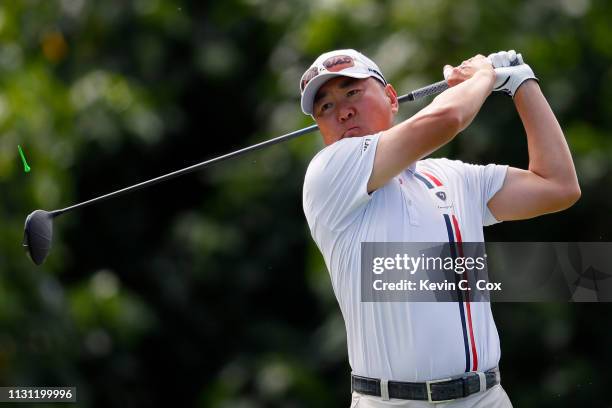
point(392, 97)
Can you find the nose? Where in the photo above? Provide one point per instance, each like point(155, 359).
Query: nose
point(345, 113)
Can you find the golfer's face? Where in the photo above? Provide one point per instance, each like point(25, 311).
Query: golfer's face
point(349, 107)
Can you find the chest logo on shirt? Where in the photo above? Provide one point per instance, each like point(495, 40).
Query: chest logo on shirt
point(434, 185)
point(445, 201)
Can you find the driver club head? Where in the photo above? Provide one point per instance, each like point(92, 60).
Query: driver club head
point(37, 235)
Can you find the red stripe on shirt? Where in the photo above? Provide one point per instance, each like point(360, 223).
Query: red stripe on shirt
point(432, 178)
point(467, 302)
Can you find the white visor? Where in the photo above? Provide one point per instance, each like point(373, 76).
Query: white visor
point(348, 63)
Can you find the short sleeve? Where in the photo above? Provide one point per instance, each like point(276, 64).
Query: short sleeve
point(335, 185)
point(487, 181)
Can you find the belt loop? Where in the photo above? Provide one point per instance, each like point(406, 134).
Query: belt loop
point(483, 380)
point(384, 389)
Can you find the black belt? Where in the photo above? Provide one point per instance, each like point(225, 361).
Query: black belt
point(432, 391)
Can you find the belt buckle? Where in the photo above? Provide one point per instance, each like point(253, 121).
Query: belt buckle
point(428, 385)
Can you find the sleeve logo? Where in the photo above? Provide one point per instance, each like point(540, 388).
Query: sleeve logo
point(366, 143)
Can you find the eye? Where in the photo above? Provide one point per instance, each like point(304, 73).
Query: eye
point(325, 107)
point(353, 92)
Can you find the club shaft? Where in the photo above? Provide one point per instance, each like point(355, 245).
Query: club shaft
point(194, 167)
point(428, 90)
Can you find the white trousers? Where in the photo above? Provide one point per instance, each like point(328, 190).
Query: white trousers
point(494, 397)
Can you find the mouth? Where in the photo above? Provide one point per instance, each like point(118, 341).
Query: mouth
point(352, 131)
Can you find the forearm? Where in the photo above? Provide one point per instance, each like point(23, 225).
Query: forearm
point(549, 154)
point(430, 129)
point(466, 98)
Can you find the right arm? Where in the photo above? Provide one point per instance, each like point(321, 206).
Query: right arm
point(433, 126)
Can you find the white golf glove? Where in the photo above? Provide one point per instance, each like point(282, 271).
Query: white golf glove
point(510, 71)
point(505, 59)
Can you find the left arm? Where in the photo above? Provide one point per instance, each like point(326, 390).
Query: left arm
point(550, 184)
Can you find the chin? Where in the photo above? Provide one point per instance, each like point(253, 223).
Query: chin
point(359, 134)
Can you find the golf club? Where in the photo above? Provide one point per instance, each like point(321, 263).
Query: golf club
point(38, 229)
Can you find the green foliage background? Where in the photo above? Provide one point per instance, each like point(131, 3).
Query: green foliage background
point(207, 290)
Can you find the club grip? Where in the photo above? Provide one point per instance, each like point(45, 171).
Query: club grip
point(428, 90)
point(441, 86)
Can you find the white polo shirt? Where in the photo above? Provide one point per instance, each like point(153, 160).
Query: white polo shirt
point(401, 341)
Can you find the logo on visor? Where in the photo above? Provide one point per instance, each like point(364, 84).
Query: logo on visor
point(441, 195)
point(332, 64)
point(338, 63)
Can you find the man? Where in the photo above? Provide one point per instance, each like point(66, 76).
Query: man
point(371, 184)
